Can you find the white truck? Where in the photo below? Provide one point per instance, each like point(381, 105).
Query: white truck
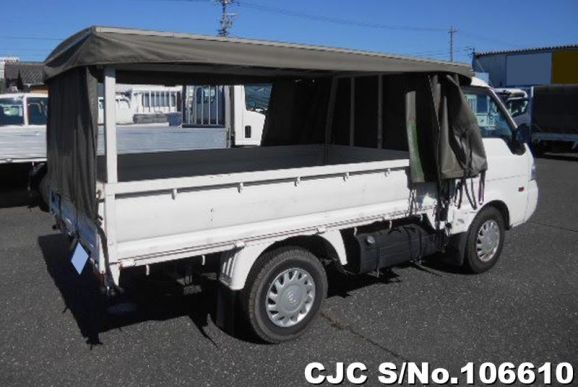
point(546, 116)
point(356, 170)
point(23, 127)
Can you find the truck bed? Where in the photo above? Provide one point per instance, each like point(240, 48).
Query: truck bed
point(178, 204)
point(162, 165)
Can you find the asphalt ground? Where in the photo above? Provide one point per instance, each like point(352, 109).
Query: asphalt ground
point(56, 328)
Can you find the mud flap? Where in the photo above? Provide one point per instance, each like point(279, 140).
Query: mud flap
point(227, 309)
point(456, 249)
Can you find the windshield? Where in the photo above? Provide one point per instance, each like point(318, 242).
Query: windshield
point(491, 120)
point(11, 111)
point(257, 97)
point(517, 107)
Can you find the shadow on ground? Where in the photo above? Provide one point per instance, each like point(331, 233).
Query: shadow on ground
point(154, 298)
point(14, 186)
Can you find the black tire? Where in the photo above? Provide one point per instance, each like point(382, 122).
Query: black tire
point(475, 261)
point(255, 299)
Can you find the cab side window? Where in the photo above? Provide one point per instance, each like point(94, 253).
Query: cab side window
point(491, 120)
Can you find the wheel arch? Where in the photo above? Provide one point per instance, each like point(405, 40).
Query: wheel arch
point(237, 265)
point(503, 209)
point(328, 246)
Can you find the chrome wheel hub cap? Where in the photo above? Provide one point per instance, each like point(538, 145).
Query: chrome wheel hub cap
point(290, 297)
point(488, 240)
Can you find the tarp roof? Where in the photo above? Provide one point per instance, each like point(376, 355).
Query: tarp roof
point(138, 50)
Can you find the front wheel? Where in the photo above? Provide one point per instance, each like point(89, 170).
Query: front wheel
point(485, 240)
point(282, 297)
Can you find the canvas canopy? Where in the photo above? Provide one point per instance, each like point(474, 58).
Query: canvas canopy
point(422, 107)
point(99, 46)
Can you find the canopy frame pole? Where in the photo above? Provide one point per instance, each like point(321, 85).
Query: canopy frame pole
point(203, 105)
point(110, 124)
point(110, 146)
point(380, 111)
point(209, 112)
point(217, 88)
point(352, 112)
point(229, 112)
point(329, 119)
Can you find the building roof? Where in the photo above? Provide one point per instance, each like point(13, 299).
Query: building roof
point(528, 50)
point(132, 50)
point(29, 73)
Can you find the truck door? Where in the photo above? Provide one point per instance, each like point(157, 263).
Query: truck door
point(508, 171)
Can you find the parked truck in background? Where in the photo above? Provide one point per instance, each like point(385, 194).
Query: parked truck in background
point(23, 125)
point(547, 116)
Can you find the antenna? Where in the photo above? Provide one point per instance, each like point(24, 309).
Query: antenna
point(452, 32)
point(227, 18)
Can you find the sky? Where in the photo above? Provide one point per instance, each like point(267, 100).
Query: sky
point(30, 29)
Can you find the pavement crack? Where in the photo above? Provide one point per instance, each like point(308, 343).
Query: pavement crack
point(553, 226)
point(347, 328)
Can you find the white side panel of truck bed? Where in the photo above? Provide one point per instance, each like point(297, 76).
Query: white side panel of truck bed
point(193, 215)
point(22, 144)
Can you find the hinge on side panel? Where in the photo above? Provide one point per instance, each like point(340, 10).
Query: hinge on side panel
point(127, 263)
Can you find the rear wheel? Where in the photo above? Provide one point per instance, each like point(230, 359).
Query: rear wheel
point(284, 295)
point(485, 240)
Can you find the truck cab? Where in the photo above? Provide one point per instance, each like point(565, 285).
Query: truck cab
point(233, 114)
point(511, 174)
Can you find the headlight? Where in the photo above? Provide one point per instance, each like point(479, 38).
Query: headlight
point(533, 172)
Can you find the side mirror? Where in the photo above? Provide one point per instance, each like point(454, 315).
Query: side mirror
point(522, 134)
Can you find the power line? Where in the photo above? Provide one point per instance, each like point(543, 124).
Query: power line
point(489, 39)
point(25, 49)
point(348, 22)
point(327, 19)
point(29, 38)
point(335, 20)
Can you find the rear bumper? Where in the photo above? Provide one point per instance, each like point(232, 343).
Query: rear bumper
point(532, 199)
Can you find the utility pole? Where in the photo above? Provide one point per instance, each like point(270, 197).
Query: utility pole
point(452, 32)
point(226, 22)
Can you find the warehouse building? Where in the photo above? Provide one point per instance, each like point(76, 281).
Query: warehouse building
point(531, 67)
